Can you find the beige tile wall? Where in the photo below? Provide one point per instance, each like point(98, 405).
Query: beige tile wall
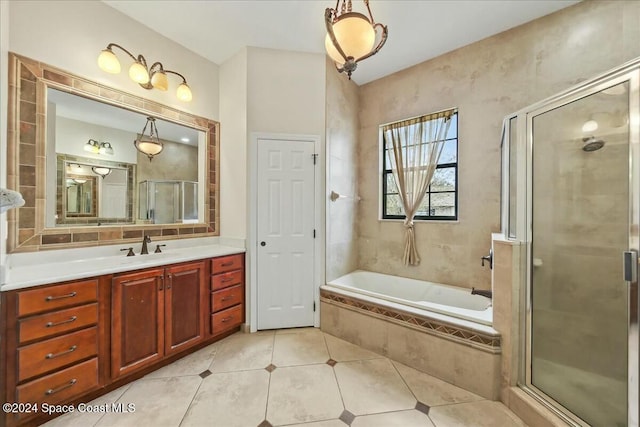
point(485, 80)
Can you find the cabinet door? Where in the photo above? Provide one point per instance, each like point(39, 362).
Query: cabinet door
point(137, 331)
point(185, 312)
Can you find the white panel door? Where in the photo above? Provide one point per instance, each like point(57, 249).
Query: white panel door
point(285, 227)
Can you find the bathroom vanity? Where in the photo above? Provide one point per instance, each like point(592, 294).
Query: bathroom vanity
point(69, 342)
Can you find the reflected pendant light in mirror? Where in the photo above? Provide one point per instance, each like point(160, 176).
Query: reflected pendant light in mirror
point(102, 171)
point(148, 143)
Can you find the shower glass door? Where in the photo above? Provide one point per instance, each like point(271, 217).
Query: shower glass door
point(583, 217)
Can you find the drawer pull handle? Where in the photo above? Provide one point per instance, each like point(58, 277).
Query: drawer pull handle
point(227, 264)
point(62, 353)
point(226, 319)
point(62, 387)
point(52, 298)
point(226, 279)
point(69, 320)
point(227, 298)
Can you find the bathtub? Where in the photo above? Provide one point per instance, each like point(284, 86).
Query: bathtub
point(438, 329)
point(433, 297)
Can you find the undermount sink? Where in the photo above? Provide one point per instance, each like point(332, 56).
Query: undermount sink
point(148, 257)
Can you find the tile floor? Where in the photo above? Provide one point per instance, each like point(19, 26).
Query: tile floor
point(292, 377)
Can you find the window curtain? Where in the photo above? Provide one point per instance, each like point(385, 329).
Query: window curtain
point(414, 148)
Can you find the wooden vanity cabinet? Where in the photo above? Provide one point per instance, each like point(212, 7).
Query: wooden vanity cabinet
point(227, 293)
point(73, 341)
point(156, 313)
point(53, 347)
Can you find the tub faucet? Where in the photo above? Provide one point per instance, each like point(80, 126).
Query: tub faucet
point(145, 240)
point(487, 294)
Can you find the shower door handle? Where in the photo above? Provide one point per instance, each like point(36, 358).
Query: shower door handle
point(630, 265)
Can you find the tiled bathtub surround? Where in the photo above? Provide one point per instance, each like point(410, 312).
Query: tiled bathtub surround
point(466, 358)
point(298, 377)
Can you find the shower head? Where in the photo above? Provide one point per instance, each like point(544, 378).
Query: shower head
point(592, 144)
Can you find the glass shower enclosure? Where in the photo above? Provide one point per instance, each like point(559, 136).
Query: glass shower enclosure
point(571, 193)
point(168, 202)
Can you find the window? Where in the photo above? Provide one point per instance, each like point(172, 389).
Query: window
point(441, 199)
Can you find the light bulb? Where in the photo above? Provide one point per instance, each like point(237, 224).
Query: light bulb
point(589, 126)
point(184, 93)
point(107, 61)
point(354, 34)
point(139, 73)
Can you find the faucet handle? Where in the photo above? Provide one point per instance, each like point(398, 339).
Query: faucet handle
point(157, 251)
point(130, 253)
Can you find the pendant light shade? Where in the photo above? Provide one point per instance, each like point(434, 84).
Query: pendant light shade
point(102, 171)
point(107, 61)
point(351, 36)
point(148, 143)
point(354, 33)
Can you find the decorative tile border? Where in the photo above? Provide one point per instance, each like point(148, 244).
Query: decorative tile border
point(456, 333)
point(26, 163)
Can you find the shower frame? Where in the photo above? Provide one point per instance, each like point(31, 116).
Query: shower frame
point(521, 230)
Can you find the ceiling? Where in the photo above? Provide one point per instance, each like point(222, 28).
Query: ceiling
point(418, 29)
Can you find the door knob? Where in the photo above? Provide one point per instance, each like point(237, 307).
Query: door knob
point(263, 243)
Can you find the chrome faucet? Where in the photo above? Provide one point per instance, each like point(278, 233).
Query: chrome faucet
point(145, 240)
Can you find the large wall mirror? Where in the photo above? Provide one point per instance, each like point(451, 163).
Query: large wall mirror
point(72, 156)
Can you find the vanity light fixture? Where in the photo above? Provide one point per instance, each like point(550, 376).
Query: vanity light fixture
point(149, 144)
point(79, 180)
point(153, 77)
point(351, 36)
point(102, 171)
point(92, 146)
point(95, 147)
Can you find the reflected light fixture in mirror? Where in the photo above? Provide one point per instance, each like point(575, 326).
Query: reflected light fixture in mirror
point(351, 36)
point(154, 77)
point(95, 147)
point(103, 172)
point(589, 126)
point(150, 144)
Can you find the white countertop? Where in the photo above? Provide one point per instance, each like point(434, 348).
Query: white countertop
point(39, 268)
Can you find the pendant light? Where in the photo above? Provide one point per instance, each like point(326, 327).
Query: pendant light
point(149, 144)
point(351, 36)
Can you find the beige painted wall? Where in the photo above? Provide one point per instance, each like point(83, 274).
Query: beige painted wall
point(71, 34)
point(342, 174)
point(233, 146)
point(485, 80)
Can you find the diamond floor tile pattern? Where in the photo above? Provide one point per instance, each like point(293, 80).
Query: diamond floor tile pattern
point(294, 378)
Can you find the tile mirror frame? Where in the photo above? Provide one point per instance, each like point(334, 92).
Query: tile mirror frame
point(26, 162)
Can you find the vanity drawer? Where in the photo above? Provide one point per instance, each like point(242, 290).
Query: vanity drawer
point(226, 297)
point(226, 319)
point(227, 263)
point(221, 281)
point(62, 385)
point(45, 356)
point(60, 321)
point(55, 297)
